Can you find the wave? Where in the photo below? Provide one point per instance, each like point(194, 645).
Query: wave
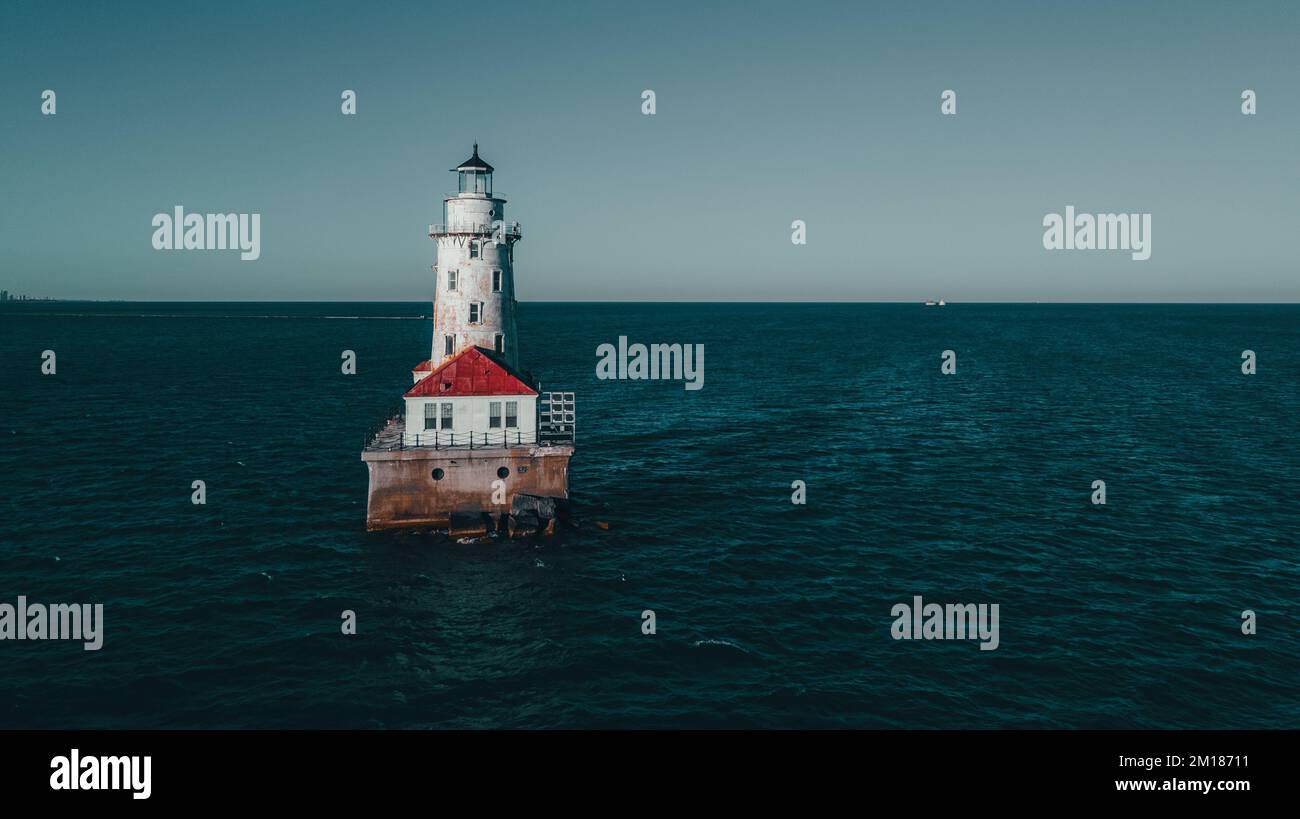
point(726, 643)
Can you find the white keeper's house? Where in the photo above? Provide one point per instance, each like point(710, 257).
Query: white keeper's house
point(474, 398)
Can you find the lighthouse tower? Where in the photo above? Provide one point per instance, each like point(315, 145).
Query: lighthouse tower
point(474, 303)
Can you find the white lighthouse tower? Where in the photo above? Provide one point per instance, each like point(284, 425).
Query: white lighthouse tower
point(474, 304)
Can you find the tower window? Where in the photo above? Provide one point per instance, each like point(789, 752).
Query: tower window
point(448, 345)
point(499, 343)
point(475, 312)
point(512, 414)
point(446, 415)
point(496, 281)
point(451, 279)
point(494, 414)
point(430, 416)
point(474, 249)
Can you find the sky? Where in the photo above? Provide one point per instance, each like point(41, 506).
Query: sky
point(826, 112)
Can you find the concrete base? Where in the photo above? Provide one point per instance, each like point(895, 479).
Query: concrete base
point(404, 493)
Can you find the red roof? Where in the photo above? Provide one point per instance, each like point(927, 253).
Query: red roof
point(476, 371)
point(423, 367)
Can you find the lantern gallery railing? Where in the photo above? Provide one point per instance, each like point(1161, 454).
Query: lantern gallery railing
point(500, 230)
point(475, 194)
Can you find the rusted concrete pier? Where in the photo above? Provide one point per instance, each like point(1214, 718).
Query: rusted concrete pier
point(424, 486)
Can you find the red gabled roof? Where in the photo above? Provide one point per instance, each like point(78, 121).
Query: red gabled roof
point(475, 371)
point(423, 367)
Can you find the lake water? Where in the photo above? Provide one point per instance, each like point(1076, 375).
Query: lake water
point(965, 488)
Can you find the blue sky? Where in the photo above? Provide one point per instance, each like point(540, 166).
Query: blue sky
point(766, 113)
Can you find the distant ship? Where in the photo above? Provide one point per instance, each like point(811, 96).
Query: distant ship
point(939, 303)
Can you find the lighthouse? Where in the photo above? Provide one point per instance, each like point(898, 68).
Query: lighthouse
point(476, 445)
point(475, 301)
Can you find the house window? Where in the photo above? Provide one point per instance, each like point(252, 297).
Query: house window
point(496, 281)
point(446, 416)
point(451, 279)
point(512, 414)
point(474, 249)
point(499, 343)
point(494, 414)
point(430, 416)
point(448, 345)
point(475, 312)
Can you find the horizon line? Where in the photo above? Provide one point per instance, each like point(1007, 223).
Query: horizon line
point(922, 302)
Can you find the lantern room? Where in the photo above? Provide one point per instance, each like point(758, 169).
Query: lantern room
point(475, 175)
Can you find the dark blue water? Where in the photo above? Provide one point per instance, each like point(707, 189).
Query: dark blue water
point(966, 488)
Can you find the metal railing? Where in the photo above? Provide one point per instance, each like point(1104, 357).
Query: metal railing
point(510, 231)
point(475, 194)
point(440, 439)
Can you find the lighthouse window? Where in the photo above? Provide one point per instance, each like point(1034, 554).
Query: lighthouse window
point(446, 416)
point(496, 281)
point(430, 416)
point(512, 414)
point(499, 343)
point(474, 249)
point(475, 312)
point(448, 345)
point(494, 414)
point(451, 279)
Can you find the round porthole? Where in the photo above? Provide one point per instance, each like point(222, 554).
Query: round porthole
point(438, 474)
point(503, 472)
